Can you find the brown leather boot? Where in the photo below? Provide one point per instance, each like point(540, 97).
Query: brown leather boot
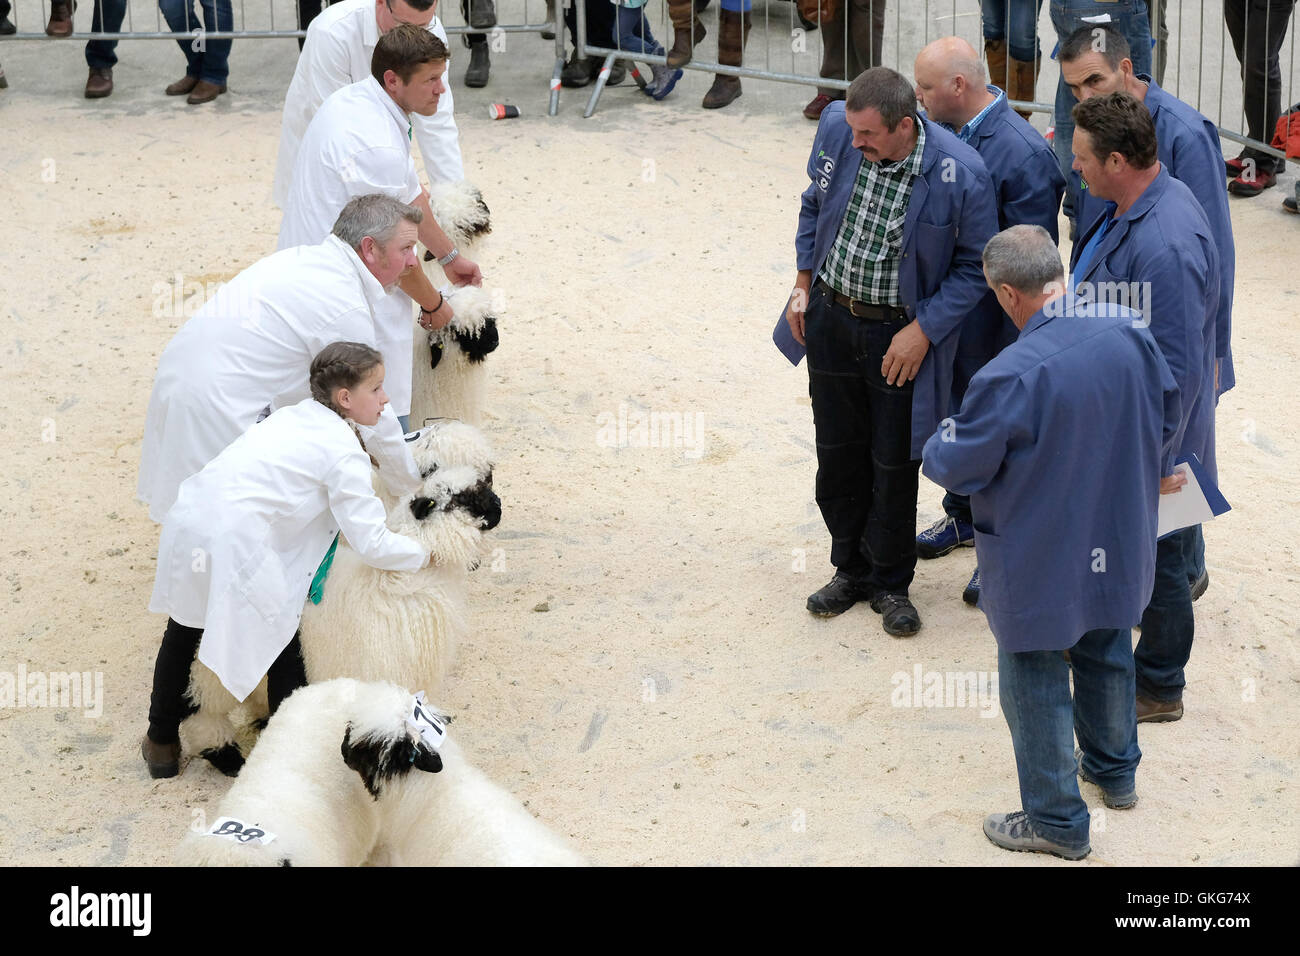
point(204, 92)
point(688, 30)
point(60, 24)
point(99, 83)
point(734, 33)
point(163, 760)
point(995, 51)
point(1024, 82)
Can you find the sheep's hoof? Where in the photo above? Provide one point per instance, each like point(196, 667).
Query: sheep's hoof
point(227, 759)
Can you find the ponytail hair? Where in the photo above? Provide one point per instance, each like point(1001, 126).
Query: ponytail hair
point(341, 365)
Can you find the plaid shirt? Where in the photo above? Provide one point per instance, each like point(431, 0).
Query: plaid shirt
point(863, 260)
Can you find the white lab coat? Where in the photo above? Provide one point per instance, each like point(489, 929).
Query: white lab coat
point(251, 346)
point(357, 145)
point(244, 539)
point(340, 43)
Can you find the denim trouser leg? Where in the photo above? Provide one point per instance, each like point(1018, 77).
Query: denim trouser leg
point(108, 17)
point(1034, 693)
point(633, 31)
point(866, 477)
point(1015, 21)
point(1129, 17)
point(1195, 554)
point(957, 506)
point(1257, 28)
point(207, 59)
point(1105, 707)
point(1167, 623)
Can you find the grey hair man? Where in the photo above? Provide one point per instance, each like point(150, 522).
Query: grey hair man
point(251, 345)
point(1063, 468)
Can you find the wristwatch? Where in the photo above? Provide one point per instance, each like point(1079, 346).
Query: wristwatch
point(445, 260)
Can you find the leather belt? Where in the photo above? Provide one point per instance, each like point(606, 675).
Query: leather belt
point(861, 309)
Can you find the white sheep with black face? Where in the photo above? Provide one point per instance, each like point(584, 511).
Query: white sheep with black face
point(336, 781)
point(400, 626)
point(460, 211)
point(449, 375)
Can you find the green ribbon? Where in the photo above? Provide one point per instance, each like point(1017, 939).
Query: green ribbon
point(317, 589)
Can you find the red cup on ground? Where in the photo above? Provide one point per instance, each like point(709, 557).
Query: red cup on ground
point(502, 111)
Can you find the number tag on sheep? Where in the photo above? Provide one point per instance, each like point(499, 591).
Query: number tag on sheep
point(431, 726)
point(236, 830)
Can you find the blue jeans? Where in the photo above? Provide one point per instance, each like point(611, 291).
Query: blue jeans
point(1167, 624)
point(633, 31)
point(1034, 693)
point(1129, 17)
point(210, 62)
point(1015, 21)
point(109, 14)
point(1194, 546)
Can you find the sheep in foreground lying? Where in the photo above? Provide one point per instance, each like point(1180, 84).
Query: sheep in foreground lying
point(327, 803)
point(449, 376)
point(402, 626)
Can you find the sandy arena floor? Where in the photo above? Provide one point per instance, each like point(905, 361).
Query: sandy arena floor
point(676, 704)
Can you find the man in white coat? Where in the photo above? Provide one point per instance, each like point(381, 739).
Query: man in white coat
point(252, 344)
point(340, 43)
point(359, 143)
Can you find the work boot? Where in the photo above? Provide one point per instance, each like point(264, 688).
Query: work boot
point(204, 92)
point(734, 33)
point(99, 83)
point(182, 87)
point(479, 65)
point(549, 33)
point(995, 51)
point(7, 28)
point(688, 30)
point(60, 24)
point(163, 760)
point(482, 14)
point(1024, 82)
point(575, 72)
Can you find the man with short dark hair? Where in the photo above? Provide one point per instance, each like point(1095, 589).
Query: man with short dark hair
point(887, 253)
point(1153, 243)
point(1027, 186)
point(358, 143)
point(1061, 443)
point(339, 47)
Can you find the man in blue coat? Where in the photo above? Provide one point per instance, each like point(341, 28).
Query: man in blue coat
point(887, 253)
point(1061, 443)
point(1027, 185)
point(1154, 246)
point(1187, 143)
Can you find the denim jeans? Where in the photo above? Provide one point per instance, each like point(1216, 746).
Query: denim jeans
point(1167, 624)
point(210, 62)
point(1015, 21)
point(866, 477)
point(1194, 549)
point(957, 506)
point(633, 31)
point(1034, 693)
point(108, 17)
point(1129, 17)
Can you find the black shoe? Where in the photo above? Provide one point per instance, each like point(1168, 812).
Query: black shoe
point(1200, 585)
point(971, 594)
point(617, 73)
point(7, 28)
point(900, 617)
point(163, 760)
point(479, 64)
point(836, 597)
point(575, 72)
point(482, 14)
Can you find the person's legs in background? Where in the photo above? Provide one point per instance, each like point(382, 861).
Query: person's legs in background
point(308, 10)
point(1257, 28)
point(852, 41)
point(580, 71)
point(733, 33)
point(101, 55)
point(1160, 33)
point(1024, 55)
point(477, 13)
point(1105, 711)
point(286, 675)
point(1168, 629)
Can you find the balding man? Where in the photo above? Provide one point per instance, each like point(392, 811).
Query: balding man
point(252, 344)
point(1061, 444)
point(1027, 186)
point(1154, 245)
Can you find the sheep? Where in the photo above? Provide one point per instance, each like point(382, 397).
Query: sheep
point(315, 781)
point(449, 377)
point(402, 626)
point(460, 211)
point(332, 804)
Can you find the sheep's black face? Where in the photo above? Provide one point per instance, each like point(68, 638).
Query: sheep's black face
point(482, 502)
point(478, 346)
point(378, 760)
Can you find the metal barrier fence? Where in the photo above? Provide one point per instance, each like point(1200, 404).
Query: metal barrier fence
point(1196, 60)
point(273, 19)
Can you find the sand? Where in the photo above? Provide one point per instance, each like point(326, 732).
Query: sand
point(642, 671)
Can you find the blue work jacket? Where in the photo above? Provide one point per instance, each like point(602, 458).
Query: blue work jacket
point(1061, 443)
point(950, 216)
point(1163, 251)
point(1027, 186)
point(1188, 145)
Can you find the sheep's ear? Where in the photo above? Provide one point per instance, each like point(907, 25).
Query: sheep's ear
point(421, 507)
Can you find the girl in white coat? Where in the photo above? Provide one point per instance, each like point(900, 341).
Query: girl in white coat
point(247, 535)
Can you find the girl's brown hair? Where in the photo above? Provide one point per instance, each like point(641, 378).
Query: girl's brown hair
point(341, 365)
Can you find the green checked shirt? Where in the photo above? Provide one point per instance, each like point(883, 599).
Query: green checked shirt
point(863, 261)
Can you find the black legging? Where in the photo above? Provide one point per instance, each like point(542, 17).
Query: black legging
point(168, 705)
